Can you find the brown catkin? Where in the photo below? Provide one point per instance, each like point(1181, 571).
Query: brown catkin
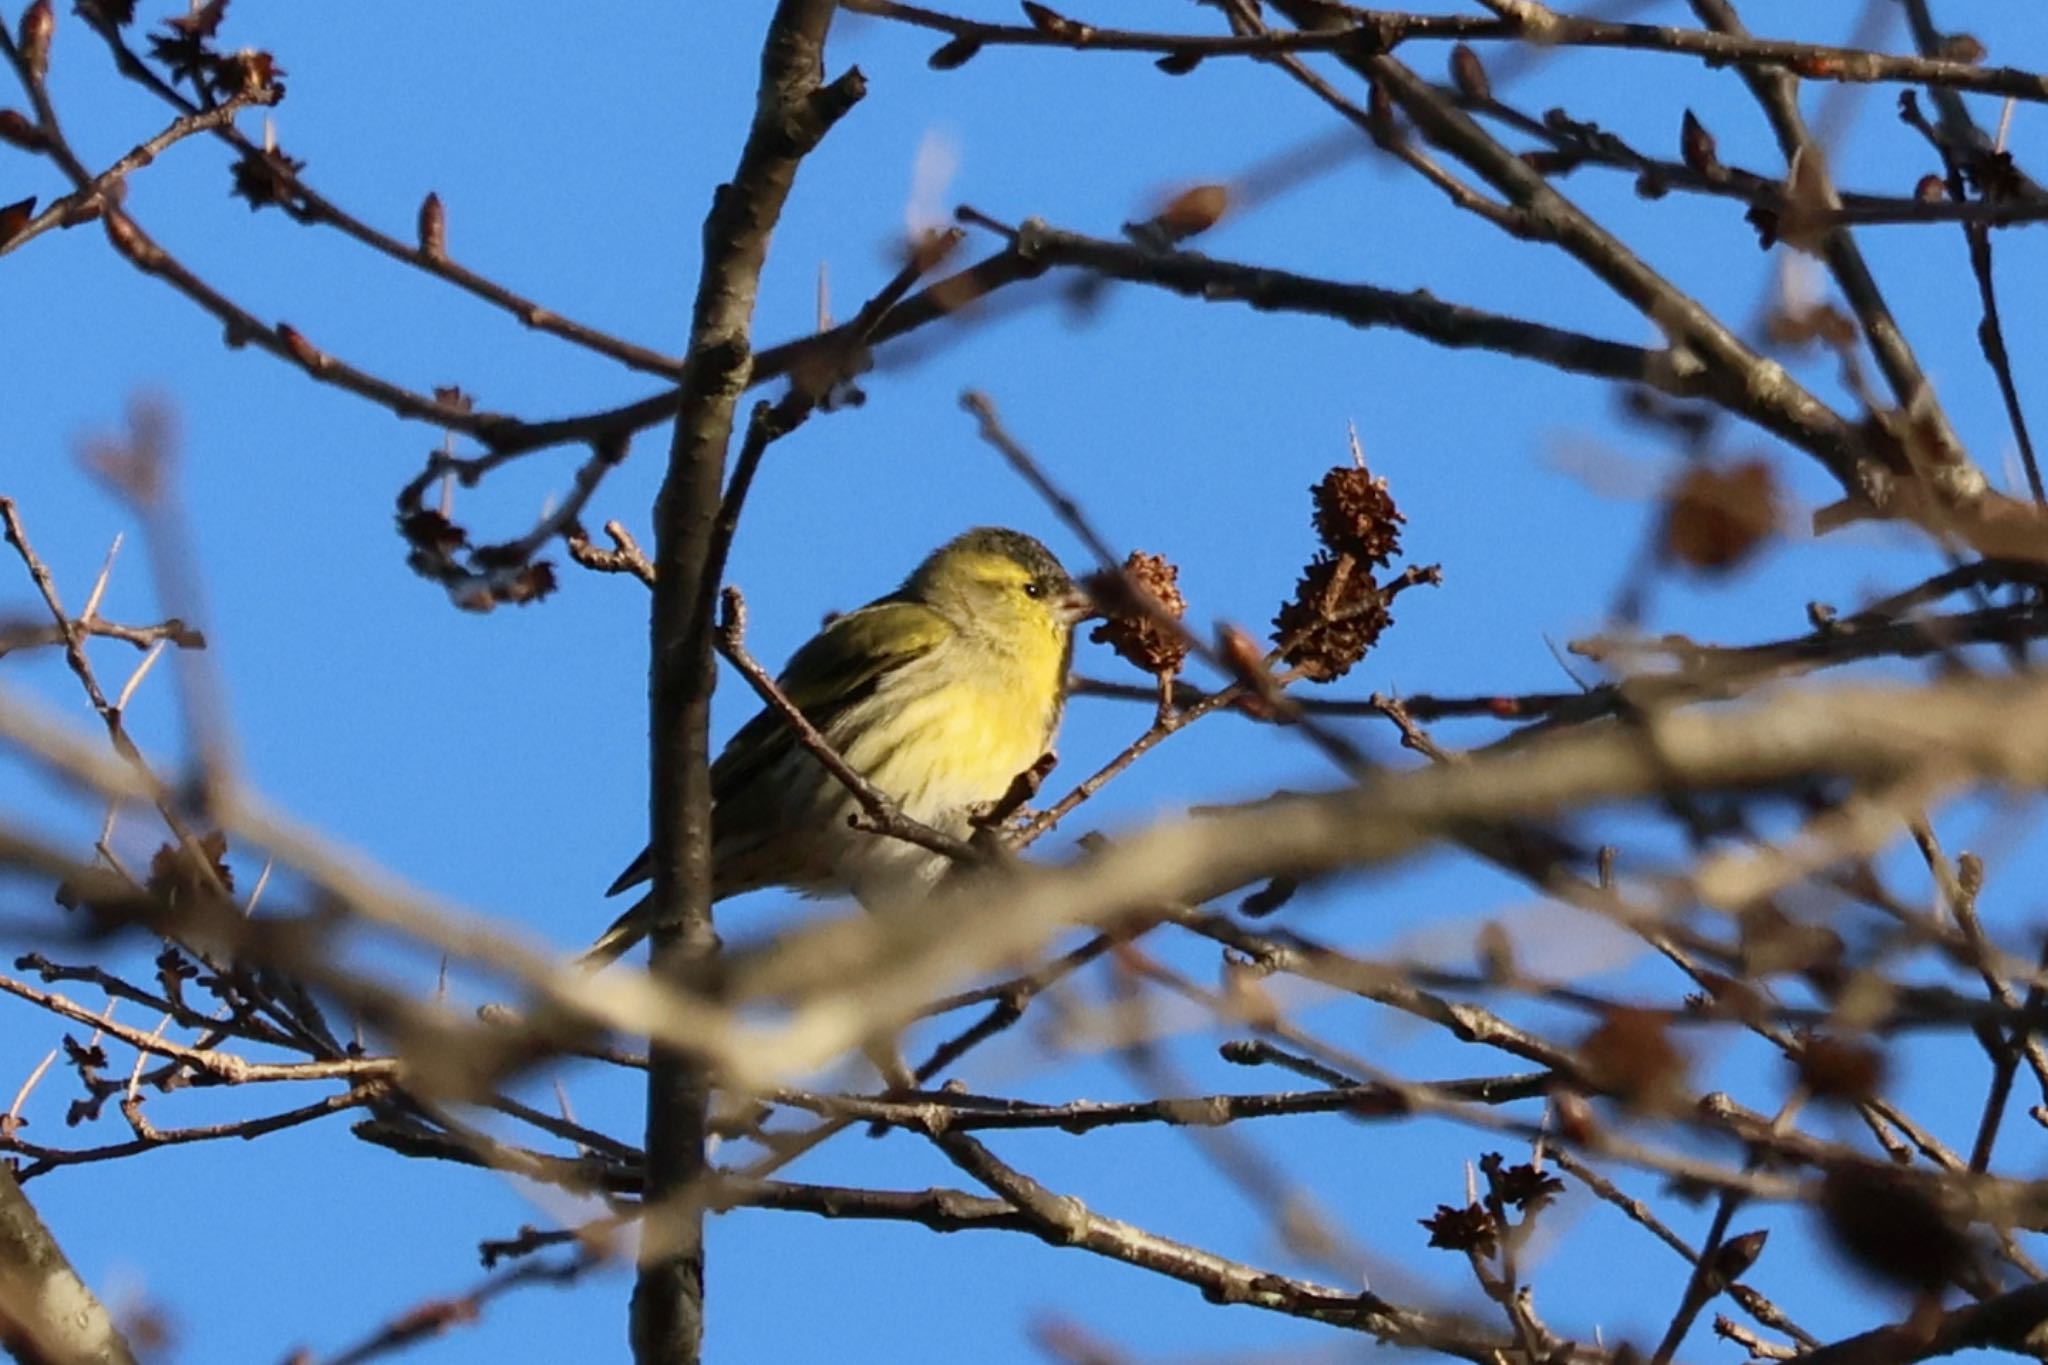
point(1336, 615)
point(1136, 634)
point(1356, 516)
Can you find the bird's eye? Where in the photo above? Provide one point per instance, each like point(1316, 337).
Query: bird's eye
point(1034, 589)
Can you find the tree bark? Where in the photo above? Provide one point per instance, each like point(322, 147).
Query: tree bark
point(792, 113)
point(47, 1315)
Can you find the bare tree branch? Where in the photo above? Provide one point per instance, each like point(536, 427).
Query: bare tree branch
point(795, 109)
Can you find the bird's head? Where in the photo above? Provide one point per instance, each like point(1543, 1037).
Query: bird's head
point(1002, 584)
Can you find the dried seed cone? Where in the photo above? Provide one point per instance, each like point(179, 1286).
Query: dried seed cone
point(1336, 615)
point(1356, 516)
point(1134, 633)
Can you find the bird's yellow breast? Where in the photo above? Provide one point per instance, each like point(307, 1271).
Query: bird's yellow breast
point(965, 724)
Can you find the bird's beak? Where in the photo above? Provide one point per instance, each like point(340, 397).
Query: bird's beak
point(1075, 606)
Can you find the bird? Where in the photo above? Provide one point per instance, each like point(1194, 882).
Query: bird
point(940, 694)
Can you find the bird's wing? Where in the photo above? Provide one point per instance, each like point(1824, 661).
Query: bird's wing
point(837, 669)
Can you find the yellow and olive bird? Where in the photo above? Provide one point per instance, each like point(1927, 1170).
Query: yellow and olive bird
point(940, 694)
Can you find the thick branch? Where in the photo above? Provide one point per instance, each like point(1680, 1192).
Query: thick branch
point(47, 1314)
point(793, 111)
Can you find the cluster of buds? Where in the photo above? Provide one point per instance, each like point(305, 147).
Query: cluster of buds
point(476, 577)
point(1339, 609)
point(186, 47)
point(1513, 1197)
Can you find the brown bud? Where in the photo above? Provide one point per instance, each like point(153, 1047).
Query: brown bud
point(1835, 1069)
point(1696, 146)
point(1469, 74)
point(1714, 518)
point(16, 129)
point(1179, 63)
point(1240, 653)
point(1547, 162)
point(1270, 897)
point(1134, 600)
point(433, 228)
point(1194, 210)
point(1765, 221)
point(1574, 1117)
point(1963, 47)
point(14, 217)
point(128, 239)
point(300, 349)
point(954, 55)
point(38, 23)
point(1630, 1057)
point(1734, 1257)
point(1054, 24)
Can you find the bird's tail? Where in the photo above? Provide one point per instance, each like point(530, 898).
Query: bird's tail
point(627, 930)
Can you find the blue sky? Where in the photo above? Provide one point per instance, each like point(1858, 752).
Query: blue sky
point(499, 760)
